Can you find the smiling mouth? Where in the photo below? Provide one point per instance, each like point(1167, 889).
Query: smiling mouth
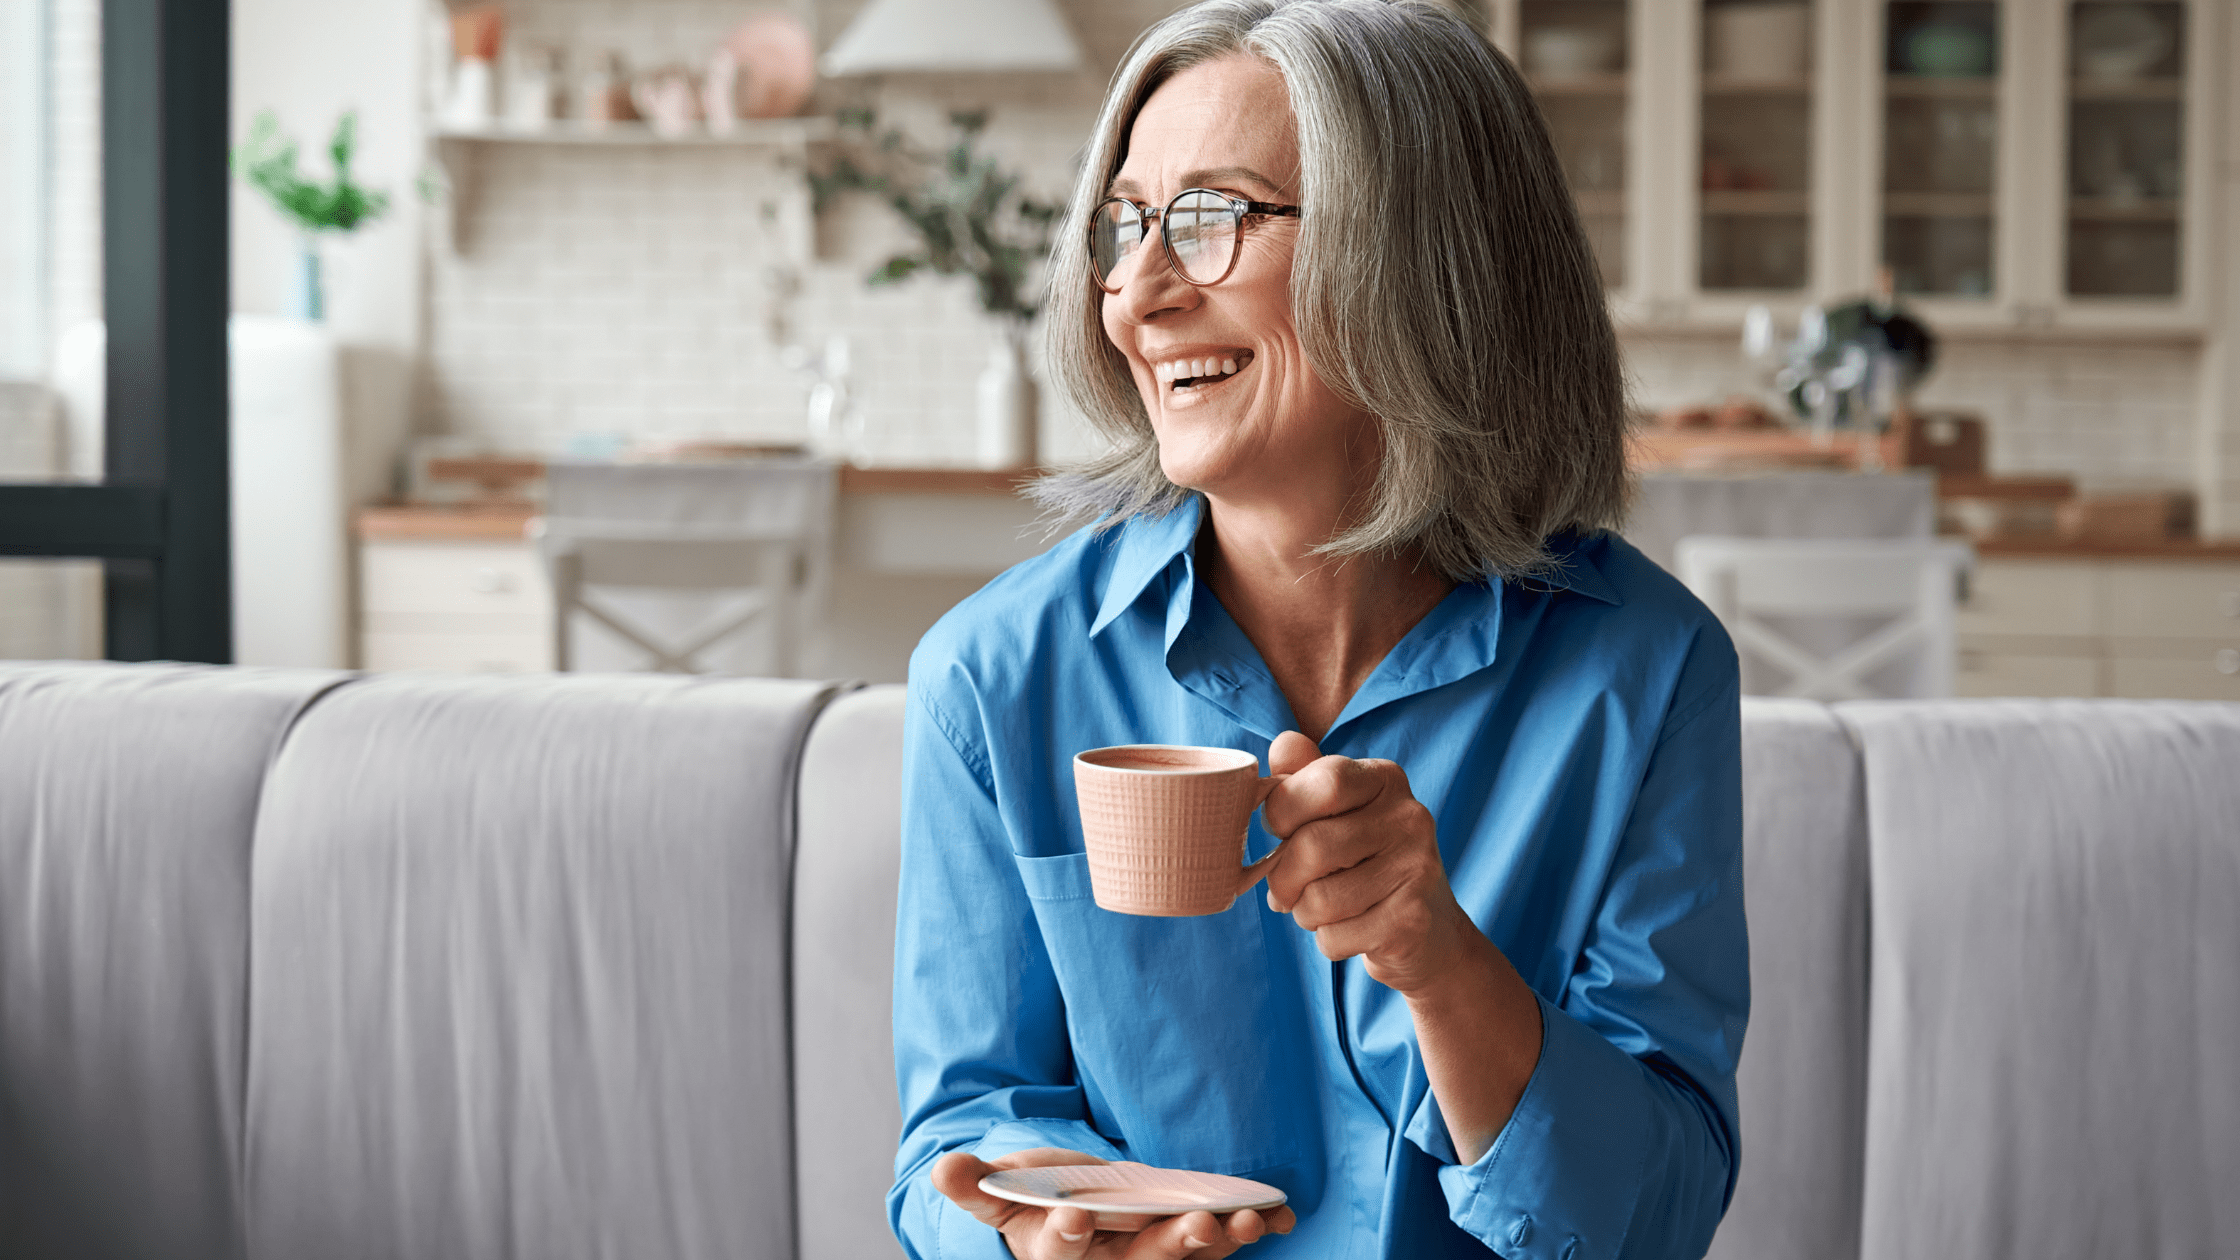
point(1193, 375)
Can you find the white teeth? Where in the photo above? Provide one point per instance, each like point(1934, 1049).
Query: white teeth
point(1228, 367)
point(1164, 371)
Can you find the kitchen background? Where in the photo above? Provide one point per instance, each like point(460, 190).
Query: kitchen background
point(557, 297)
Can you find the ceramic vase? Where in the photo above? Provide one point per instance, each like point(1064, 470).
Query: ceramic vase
point(1007, 404)
point(307, 293)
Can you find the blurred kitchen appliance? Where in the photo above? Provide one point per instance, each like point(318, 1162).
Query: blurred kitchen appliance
point(952, 35)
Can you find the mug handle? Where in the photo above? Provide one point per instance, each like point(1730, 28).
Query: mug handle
point(1254, 873)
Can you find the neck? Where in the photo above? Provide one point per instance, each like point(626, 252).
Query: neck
point(1321, 623)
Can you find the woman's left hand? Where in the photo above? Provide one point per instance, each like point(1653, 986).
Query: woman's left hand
point(1360, 866)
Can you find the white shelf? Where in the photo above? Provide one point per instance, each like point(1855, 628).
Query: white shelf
point(747, 133)
point(457, 152)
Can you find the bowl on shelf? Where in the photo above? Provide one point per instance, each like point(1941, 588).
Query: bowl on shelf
point(1947, 50)
point(2116, 43)
point(1570, 52)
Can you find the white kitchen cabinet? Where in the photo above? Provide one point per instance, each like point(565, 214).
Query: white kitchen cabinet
point(477, 606)
point(2132, 627)
point(2047, 185)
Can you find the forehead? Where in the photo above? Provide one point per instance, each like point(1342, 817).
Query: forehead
point(1220, 115)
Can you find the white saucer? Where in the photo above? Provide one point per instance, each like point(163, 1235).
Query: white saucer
point(1127, 1196)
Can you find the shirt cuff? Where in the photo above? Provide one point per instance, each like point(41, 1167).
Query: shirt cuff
point(961, 1235)
point(1562, 1179)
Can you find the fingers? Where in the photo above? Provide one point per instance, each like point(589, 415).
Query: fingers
point(1324, 788)
point(1192, 1234)
point(957, 1175)
point(1291, 753)
point(1346, 893)
point(1066, 1234)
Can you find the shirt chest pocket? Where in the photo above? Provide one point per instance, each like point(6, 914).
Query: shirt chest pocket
point(1185, 1033)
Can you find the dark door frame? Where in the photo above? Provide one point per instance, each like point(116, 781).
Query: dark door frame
point(160, 521)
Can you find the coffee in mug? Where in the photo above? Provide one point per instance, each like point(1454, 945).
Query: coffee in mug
point(1165, 826)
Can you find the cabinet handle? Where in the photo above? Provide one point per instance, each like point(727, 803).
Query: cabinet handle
point(487, 581)
point(2227, 660)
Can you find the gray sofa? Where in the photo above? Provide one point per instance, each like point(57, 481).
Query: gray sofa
point(300, 964)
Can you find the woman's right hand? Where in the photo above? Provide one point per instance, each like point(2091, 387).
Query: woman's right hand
point(1035, 1233)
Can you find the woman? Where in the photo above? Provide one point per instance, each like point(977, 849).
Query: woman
point(1367, 424)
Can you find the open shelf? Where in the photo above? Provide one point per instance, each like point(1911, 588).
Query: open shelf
point(1756, 202)
point(1580, 85)
point(1980, 87)
point(753, 132)
point(2127, 89)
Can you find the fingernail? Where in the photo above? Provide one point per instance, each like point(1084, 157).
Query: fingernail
point(1195, 1241)
point(1073, 1237)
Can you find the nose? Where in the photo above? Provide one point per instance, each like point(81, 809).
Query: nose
point(1149, 287)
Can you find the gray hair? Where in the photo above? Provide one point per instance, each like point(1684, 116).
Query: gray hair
point(1443, 284)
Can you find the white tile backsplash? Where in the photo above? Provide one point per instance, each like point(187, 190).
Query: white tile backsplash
point(2109, 415)
point(623, 290)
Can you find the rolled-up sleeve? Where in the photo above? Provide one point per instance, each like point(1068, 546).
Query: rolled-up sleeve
point(1623, 1144)
point(981, 1056)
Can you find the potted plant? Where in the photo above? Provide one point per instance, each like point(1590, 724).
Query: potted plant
point(267, 160)
point(969, 219)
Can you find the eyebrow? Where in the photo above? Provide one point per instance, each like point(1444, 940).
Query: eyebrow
point(1210, 177)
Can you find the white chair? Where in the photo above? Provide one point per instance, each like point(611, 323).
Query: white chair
point(748, 543)
point(1761, 587)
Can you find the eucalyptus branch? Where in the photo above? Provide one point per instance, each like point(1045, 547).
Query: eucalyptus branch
point(267, 161)
point(962, 206)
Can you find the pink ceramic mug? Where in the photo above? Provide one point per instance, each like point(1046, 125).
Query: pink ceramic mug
point(1165, 826)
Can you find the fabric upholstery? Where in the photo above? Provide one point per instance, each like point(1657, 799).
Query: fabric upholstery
point(843, 961)
point(1803, 1076)
point(127, 799)
point(2056, 1000)
point(520, 985)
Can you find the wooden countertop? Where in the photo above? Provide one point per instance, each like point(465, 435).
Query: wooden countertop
point(509, 522)
point(2224, 550)
point(438, 522)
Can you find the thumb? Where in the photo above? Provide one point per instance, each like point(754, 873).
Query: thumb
point(1291, 753)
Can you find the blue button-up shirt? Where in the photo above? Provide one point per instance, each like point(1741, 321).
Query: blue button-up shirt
point(1577, 739)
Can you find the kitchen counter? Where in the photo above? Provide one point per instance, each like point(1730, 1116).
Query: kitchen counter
point(510, 521)
point(2215, 551)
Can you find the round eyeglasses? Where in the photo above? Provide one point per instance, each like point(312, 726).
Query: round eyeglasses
point(1199, 231)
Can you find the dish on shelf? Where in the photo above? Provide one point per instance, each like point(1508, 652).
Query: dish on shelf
point(2119, 42)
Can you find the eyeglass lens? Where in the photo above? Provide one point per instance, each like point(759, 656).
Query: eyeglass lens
point(1200, 229)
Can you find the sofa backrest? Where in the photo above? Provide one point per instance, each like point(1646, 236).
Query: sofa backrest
point(2054, 1055)
point(849, 847)
point(127, 802)
point(519, 977)
point(1802, 1080)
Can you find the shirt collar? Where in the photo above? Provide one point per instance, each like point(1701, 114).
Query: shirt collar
point(1147, 546)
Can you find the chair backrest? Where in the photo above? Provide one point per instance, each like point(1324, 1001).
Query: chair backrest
point(1909, 586)
point(747, 545)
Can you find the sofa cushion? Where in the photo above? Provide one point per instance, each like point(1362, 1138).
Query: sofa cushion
point(128, 794)
point(843, 965)
point(520, 987)
point(1802, 1080)
point(2056, 1001)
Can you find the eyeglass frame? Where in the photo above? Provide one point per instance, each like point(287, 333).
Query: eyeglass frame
point(1243, 207)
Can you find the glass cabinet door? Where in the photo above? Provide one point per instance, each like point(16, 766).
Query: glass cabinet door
point(1940, 141)
point(2126, 172)
point(1575, 55)
point(1756, 226)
